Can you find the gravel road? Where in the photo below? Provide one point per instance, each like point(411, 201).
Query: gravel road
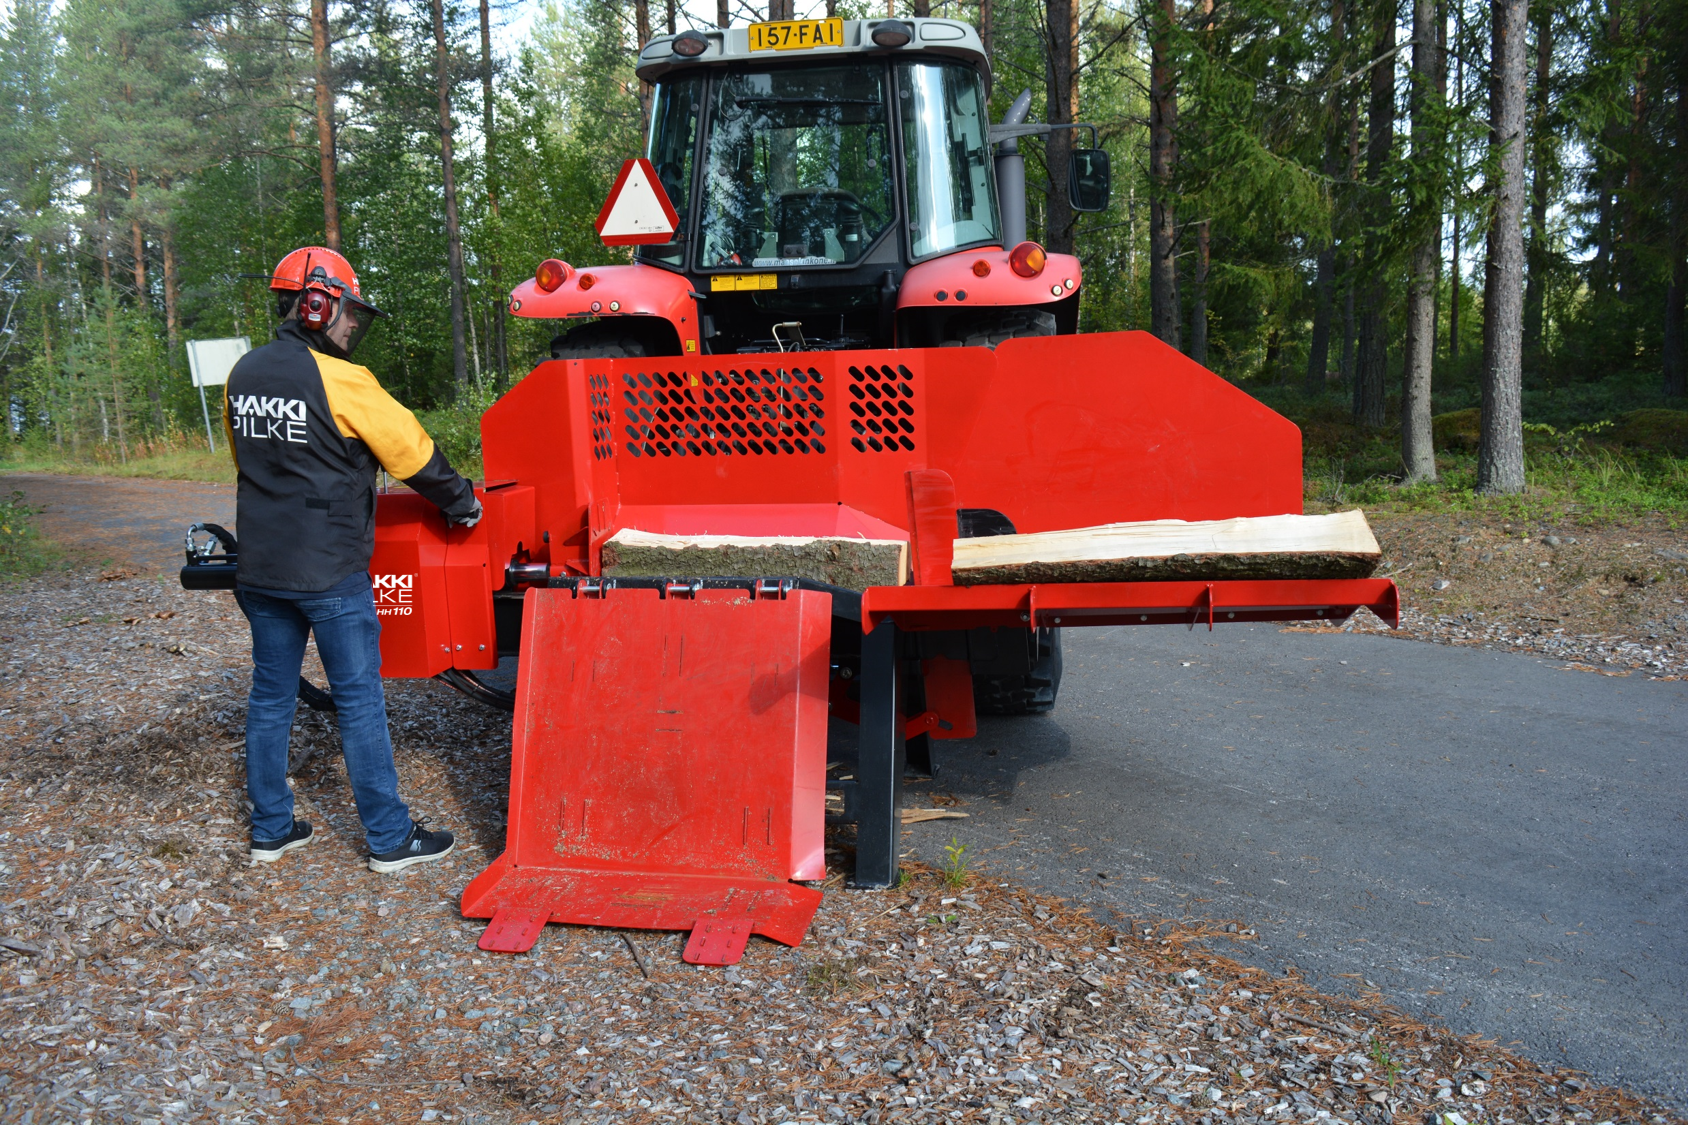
point(1449, 830)
point(1475, 834)
point(123, 519)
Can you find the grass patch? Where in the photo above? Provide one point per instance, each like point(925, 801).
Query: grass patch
point(1629, 464)
point(174, 456)
point(956, 862)
point(23, 553)
point(834, 975)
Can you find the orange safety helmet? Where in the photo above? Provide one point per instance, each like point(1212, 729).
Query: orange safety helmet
point(314, 270)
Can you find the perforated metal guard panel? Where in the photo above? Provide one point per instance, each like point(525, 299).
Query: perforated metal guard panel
point(882, 400)
point(724, 412)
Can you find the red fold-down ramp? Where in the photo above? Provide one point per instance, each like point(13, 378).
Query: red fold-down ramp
point(668, 768)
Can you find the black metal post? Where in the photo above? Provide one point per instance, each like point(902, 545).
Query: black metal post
point(879, 772)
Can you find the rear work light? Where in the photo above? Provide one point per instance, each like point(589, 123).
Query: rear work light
point(1027, 259)
point(690, 44)
point(551, 274)
point(892, 33)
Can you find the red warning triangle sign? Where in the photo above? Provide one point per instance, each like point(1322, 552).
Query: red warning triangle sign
point(637, 210)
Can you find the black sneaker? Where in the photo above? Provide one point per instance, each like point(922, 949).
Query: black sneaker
point(268, 851)
point(422, 846)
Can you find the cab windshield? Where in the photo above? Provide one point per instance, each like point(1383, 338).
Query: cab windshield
point(797, 168)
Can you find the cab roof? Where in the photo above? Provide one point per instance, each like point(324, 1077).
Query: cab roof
point(947, 38)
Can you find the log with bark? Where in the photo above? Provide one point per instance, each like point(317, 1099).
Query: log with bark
point(854, 564)
point(1339, 545)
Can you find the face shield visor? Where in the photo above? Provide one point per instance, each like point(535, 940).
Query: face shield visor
point(351, 322)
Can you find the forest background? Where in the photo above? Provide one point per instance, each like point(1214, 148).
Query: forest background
point(1308, 198)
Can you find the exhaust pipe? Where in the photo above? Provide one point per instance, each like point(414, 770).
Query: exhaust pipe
point(1011, 174)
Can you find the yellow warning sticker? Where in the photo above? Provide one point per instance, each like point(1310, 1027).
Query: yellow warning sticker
point(728, 282)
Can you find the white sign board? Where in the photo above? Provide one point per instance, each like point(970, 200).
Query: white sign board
point(637, 210)
point(211, 360)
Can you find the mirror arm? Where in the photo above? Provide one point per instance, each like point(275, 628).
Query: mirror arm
point(1000, 133)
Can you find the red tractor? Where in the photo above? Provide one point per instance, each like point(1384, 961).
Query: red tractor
point(833, 192)
point(844, 342)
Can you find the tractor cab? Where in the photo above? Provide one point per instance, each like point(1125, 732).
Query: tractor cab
point(836, 188)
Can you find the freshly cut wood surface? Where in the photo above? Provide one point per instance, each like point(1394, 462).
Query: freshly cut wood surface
point(854, 564)
point(1339, 545)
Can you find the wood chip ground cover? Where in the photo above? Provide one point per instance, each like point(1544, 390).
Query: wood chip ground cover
point(150, 975)
point(1609, 598)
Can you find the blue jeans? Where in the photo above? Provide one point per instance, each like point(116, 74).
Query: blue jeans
point(348, 636)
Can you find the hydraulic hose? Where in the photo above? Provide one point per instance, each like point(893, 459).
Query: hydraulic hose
point(475, 688)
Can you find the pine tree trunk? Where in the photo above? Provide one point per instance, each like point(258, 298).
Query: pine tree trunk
point(1350, 327)
point(987, 26)
point(723, 13)
point(1675, 347)
point(1062, 101)
point(172, 321)
point(1453, 292)
point(1380, 136)
point(110, 312)
point(642, 33)
point(41, 294)
point(138, 241)
point(453, 234)
point(1676, 295)
point(1605, 223)
point(1324, 283)
point(1163, 158)
point(1500, 454)
point(1198, 295)
point(1541, 174)
point(496, 345)
point(922, 9)
point(1324, 311)
point(326, 162)
point(1418, 456)
point(671, 25)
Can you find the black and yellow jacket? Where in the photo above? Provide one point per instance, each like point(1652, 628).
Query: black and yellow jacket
point(307, 432)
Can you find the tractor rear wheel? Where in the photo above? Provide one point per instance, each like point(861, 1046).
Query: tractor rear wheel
point(1030, 694)
point(617, 338)
point(987, 330)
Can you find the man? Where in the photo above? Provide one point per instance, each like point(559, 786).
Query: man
point(307, 429)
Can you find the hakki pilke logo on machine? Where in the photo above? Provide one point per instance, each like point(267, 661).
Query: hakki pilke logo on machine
point(270, 419)
point(393, 594)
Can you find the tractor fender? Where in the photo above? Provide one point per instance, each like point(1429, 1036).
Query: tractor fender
point(605, 291)
point(952, 281)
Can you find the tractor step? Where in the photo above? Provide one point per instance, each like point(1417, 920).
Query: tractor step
point(668, 767)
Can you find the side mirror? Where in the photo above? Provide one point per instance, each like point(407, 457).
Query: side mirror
point(1089, 182)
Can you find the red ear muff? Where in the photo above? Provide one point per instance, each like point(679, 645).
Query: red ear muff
point(314, 309)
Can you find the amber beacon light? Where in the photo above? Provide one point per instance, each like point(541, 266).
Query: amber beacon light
point(551, 274)
point(1027, 259)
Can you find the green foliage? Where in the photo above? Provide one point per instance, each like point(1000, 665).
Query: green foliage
point(956, 862)
point(22, 553)
point(1591, 469)
point(1388, 1069)
point(834, 975)
point(191, 126)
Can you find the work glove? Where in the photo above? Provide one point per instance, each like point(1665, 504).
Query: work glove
point(469, 520)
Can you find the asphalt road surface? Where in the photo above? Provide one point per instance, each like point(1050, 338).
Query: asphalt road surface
point(1481, 836)
point(1485, 837)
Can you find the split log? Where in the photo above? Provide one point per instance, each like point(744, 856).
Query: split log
point(854, 564)
point(1339, 545)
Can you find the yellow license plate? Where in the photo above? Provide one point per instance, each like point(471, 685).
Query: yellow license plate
point(729, 282)
point(796, 35)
